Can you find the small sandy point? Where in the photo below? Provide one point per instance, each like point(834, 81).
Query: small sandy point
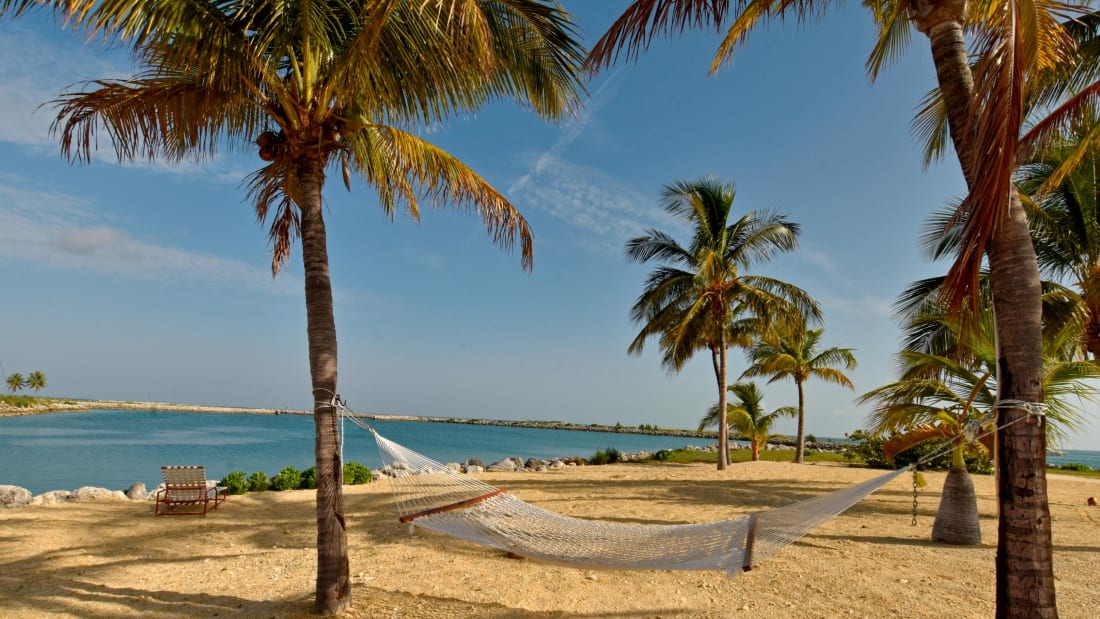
point(255, 556)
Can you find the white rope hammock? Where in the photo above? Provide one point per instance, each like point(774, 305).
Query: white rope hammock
point(431, 495)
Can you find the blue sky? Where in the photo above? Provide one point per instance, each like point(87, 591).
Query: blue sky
point(150, 282)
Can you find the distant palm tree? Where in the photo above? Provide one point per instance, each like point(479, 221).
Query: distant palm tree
point(790, 350)
point(328, 86)
point(36, 381)
point(699, 298)
point(747, 416)
point(16, 382)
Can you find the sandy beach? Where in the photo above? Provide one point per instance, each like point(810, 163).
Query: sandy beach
point(254, 557)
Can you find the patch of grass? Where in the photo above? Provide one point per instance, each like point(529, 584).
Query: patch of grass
point(682, 456)
point(1092, 474)
point(22, 401)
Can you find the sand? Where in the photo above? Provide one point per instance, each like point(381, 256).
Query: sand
point(255, 557)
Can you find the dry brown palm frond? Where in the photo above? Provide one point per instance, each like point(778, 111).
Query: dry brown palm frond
point(1019, 38)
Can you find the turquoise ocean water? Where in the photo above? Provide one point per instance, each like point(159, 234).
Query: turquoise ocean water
point(113, 449)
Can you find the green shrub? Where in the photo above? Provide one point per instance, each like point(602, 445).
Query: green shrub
point(235, 482)
point(610, 456)
point(356, 473)
point(288, 479)
point(258, 482)
point(1072, 466)
point(309, 479)
point(810, 438)
point(869, 449)
point(662, 455)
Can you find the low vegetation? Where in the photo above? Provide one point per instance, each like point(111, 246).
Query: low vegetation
point(1076, 469)
point(608, 456)
point(685, 456)
point(290, 478)
point(30, 401)
point(868, 449)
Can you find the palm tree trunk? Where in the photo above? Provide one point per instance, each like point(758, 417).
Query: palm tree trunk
point(1025, 581)
point(333, 593)
point(718, 357)
point(957, 517)
point(755, 449)
point(942, 22)
point(1024, 545)
point(800, 442)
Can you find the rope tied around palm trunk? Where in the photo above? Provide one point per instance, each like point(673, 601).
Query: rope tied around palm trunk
point(978, 428)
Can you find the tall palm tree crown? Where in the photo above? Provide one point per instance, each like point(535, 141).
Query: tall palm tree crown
point(320, 86)
point(698, 298)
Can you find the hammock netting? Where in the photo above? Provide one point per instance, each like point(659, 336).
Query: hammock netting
point(431, 495)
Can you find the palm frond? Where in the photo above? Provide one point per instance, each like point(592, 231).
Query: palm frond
point(643, 20)
point(443, 179)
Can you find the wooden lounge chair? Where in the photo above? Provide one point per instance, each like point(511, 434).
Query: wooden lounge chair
point(186, 485)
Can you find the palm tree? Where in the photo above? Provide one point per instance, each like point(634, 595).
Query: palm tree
point(699, 298)
point(947, 390)
point(790, 350)
point(324, 86)
point(984, 107)
point(1066, 222)
point(36, 381)
point(15, 382)
point(747, 416)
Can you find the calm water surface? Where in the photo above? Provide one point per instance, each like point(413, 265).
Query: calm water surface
point(113, 449)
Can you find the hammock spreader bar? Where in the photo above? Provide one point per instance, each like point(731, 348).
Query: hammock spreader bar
point(446, 508)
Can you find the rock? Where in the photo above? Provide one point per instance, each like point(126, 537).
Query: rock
point(454, 466)
point(14, 496)
point(507, 465)
point(53, 496)
point(136, 492)
point(475, 462)
point(89, 493)
point(394, 470)
point(472, 469)
point(1092, 501)
point(555, 465)
point(533, 464)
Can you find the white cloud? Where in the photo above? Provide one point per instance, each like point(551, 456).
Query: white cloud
point(862, 305)
point(591, 201)
point(34, 70)
point(571, 133)
point(608, 210)
point(65, 232)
